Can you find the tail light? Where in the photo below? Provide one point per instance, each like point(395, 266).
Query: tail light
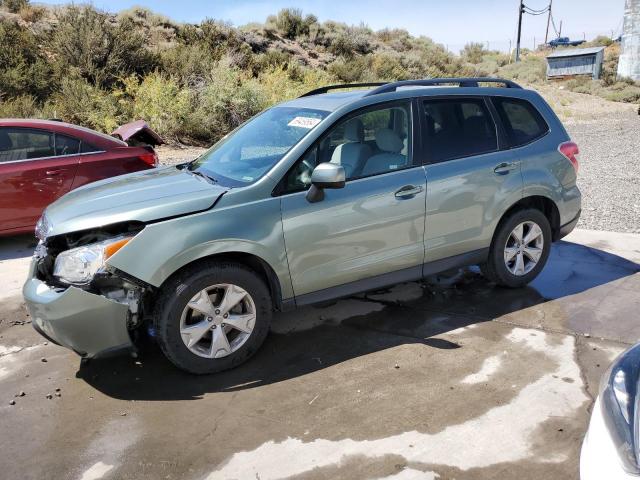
point(150, 158)
point(570, 151)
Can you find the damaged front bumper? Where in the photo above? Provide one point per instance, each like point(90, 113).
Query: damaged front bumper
point(85, 322)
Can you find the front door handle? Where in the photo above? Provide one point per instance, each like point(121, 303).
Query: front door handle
point(53, 173)
point(505, 167)
point(408, 191)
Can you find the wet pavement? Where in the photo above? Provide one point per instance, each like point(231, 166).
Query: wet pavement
point(452, 378)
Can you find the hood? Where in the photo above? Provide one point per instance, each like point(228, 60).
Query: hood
point(142, 196)
point(137, 133)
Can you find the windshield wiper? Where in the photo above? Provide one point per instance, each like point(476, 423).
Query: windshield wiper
point(208, 178)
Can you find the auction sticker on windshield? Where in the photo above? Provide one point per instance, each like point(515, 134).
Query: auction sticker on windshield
point(304, 122)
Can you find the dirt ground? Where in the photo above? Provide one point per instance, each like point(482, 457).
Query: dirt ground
point(452, 379)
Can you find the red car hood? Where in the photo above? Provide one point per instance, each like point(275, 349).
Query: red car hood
point(137, 133)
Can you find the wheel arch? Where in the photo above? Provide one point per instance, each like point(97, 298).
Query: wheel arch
point(260, 266)
point(544, 204)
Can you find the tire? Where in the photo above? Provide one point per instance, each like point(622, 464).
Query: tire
point(501, 272)
point(179, 314)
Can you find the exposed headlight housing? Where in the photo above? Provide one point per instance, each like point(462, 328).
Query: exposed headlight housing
point(43, 228)
point(619, 401)
point(79, 265)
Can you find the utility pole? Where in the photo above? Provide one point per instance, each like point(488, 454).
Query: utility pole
point(560, 32)
point(546, 35)
point(520, 12)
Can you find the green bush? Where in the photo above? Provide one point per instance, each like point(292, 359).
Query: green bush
point(350, 41)
point(80, 102)
point(531, 69)
point(271, 59)
point(102, 52)
point(609, 74)
point(623, 92)
point(349, 71)
point(23, 68)
point(32, 13)
point(600, 41)
point(582, 85)
point(388, 66)
point(14, 6)
point(473, 52)
point(226, 100)
point(189, 63)
point(291, 24)
point(162, 103)
point(277, 85)
point(24, 106)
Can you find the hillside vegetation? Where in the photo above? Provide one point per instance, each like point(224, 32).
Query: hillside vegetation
point(194, 83)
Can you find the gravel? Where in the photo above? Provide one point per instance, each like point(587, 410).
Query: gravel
point(172, 155)
point(609, 176)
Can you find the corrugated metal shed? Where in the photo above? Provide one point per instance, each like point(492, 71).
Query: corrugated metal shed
point(573, 52)
point(575, 61)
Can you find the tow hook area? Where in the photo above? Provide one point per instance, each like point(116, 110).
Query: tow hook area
point(130, 297)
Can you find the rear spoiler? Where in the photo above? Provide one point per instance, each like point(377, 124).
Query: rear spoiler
point(137, 133)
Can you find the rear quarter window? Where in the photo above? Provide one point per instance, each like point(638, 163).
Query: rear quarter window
point(522, 121)
point(88, 148)
point(66, 145)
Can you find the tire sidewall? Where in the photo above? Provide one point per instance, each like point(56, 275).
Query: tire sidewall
point(177, 294)
point(500, 240)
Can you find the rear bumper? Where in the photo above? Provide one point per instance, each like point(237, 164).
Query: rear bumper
point(81, 321)
point(567, 228)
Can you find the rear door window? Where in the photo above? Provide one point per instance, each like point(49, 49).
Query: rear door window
point(88, 148)
point(67, 145)
point(522, 122)
point(457, 128)
point(18, 144)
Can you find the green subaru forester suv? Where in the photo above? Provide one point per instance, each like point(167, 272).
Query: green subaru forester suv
point(314, 199)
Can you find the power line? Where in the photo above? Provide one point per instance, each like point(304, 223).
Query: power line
point(532, 11)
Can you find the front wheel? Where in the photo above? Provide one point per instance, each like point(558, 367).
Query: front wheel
point(213, 317)
point(519, 250)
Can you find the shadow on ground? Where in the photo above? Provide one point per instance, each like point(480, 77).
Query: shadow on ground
point(18, 246)
point(405, 314)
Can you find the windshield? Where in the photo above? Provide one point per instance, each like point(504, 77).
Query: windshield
point(243, 156)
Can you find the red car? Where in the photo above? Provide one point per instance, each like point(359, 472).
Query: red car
point(41, 160)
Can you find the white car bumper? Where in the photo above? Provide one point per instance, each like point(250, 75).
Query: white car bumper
point(599, 459)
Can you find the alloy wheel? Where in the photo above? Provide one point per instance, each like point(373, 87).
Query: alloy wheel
point(217, 321)
point(523, 248)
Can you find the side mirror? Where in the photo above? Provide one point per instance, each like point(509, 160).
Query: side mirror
point(325, 175)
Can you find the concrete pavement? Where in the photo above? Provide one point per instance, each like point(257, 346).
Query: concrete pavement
point(448, 379)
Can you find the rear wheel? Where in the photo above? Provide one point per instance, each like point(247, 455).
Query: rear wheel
point(212, 318)
point(519, 249)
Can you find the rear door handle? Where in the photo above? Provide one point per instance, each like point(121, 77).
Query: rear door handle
point(408, 191)
point(505, 167)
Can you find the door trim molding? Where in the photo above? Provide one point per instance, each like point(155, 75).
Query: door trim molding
point(410, 274)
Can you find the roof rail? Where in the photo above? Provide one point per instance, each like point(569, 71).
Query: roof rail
point(462, 82)
point(320, 90)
